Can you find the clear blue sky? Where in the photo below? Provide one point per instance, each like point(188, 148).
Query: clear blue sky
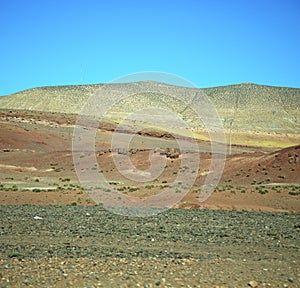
point(210, 43)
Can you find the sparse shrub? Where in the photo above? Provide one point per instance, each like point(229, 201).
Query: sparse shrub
point(263, 191)
point(163, 186)
point(132, 189)
point(113, 182)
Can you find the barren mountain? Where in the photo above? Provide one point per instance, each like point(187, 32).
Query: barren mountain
point(242, 107)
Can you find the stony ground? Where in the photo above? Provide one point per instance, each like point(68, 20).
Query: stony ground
point(66, 246)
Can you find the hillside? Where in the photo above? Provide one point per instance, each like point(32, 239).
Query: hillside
point(246, 107)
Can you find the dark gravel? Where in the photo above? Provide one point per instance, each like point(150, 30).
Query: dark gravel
point(91, 247)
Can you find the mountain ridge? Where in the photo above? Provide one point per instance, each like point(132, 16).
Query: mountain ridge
point(244, 107)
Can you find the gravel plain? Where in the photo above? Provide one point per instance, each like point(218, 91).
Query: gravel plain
point(76, 246)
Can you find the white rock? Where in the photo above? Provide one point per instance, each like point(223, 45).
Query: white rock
point(253, 284)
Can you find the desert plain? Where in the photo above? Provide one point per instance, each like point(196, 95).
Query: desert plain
point(245, 234)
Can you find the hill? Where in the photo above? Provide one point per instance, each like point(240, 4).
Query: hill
point(244, 107)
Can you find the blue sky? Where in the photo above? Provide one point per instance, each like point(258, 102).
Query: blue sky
point(209, 43)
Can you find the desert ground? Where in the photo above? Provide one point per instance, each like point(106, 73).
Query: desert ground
point(37, 167)
point(53, 234)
